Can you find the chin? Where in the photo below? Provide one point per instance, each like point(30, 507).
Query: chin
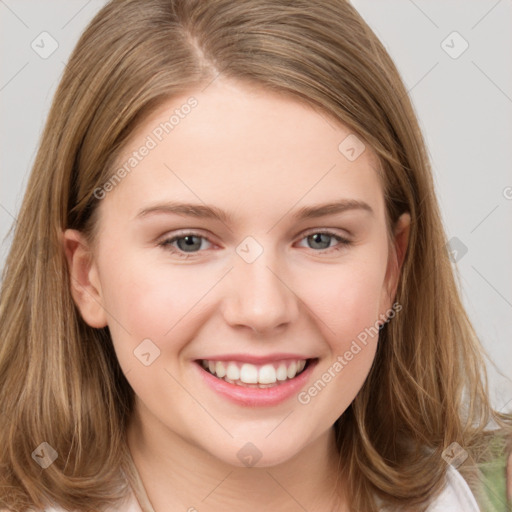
point(260, 453)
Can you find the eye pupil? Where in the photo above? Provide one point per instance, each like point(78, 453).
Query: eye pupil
point(317, 239)
point(189, 242)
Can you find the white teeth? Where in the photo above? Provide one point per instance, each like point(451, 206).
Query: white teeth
point(282, 373)
point(246, 373)
point(249, 374)
point(292, 370)
point(233, 373)
point(267, 374)
point(220, 369)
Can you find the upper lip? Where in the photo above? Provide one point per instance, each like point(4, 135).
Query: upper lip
point(247, 358)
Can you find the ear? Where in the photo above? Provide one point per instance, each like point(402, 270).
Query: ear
point(84, 278)
point(396, 257)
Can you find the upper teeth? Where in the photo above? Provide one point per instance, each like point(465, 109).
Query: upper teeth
point(255, 374)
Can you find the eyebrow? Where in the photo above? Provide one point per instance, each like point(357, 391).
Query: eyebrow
point(203, 211)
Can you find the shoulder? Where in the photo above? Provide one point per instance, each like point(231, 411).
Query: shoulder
point(456, 495)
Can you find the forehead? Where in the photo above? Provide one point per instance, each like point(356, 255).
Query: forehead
point(247, 145)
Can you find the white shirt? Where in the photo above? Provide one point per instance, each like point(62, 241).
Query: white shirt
point(455, 497)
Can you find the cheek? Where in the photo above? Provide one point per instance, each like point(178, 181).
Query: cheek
point(346, 299)
point(347, 311)
point(151, 305)
point(165, 303)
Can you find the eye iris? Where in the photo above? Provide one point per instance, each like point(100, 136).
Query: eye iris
point(189, 243)
point(192, 243)
point(317, 239)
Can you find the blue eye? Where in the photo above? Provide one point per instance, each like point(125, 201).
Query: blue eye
point(319, 237)
point(188, 243)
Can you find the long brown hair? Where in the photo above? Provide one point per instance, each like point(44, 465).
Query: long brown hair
point(60, 382)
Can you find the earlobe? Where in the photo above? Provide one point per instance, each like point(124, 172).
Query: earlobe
point(84, 279)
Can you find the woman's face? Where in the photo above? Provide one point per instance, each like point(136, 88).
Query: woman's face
point(255, 278)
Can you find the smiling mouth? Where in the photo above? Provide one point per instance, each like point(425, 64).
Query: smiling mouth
point(255, 376)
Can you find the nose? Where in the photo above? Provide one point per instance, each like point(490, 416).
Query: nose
point(260, 296)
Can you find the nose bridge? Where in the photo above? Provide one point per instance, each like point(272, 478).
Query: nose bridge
point(259, 297)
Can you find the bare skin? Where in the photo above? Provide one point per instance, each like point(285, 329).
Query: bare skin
point(260, 157)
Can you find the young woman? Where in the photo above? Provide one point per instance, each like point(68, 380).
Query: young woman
point(228, 287)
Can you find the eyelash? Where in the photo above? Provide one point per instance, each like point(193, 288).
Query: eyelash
point(166, 244)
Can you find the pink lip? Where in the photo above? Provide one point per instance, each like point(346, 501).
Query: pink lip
point(257, 397)
point(245, 358)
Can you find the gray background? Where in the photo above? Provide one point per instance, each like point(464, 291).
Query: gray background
point(463, 101)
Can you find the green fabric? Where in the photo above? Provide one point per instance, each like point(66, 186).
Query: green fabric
point(494, 479)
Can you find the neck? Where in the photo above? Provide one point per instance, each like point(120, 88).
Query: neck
point(178, 475)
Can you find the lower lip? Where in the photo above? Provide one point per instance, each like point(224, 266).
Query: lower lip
point(258, 397)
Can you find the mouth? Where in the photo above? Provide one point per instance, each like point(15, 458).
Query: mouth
point(264, 384)
point(255, 375)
